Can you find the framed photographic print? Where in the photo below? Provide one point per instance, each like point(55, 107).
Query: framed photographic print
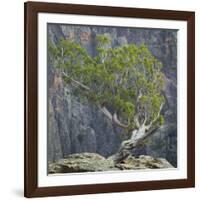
point(109, 99)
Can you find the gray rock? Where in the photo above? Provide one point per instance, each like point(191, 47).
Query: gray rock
point(144, 162)
point(91, 162)
point(85, 162)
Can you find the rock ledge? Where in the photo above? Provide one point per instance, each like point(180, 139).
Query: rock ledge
point(92, 162)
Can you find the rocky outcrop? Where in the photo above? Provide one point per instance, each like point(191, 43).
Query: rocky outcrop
point(144, 162)
point(75, 127)
point(91, 162)
point(85, 162)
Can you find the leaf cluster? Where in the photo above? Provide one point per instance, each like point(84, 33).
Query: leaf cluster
point(126, 79)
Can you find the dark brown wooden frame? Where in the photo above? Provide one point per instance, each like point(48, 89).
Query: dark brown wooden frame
point(31, 188)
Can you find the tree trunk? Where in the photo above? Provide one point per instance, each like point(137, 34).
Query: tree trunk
point(126, 147)
point(137, 137)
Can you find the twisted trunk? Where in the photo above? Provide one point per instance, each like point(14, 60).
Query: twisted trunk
point(126, 147)
point(137, 137)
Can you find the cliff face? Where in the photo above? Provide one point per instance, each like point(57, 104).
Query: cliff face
point(74, 127)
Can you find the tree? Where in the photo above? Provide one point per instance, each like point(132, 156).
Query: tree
point(124, 82)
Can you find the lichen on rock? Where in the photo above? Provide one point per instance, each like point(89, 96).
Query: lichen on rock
point(92, 162)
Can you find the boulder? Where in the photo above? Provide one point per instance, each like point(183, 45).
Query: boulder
point(144, 162)
point(81, 162)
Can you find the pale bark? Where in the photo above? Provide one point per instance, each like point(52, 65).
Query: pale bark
point(106, 112)
point(137, 137)
point(118, 123)
point(156, 118)
point(113, 118)
point(126, 147)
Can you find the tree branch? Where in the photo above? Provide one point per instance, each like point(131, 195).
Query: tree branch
point(136, 120)
point(113, 117)
point(136, 117)
point(106, 112)
point(139, 95)
point(145, 120)
point(76, 82)
point(150, 132)
point(154, 120)
point(118, 123)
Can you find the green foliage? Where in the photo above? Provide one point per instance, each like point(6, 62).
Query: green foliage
point(126, 79)
point(103, 39)
point(161, 120)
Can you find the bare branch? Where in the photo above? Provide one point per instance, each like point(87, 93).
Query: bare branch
point(113, 117)
point(136, 117)
point(145, 116)
point(154, 120)
point(136, 120)
point(76, 82)
point(118, 123)
point(139, 95)
point(150, 132)
point(106, 112)
point(145, 120)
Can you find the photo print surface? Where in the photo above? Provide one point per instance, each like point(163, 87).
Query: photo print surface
point(112, 98)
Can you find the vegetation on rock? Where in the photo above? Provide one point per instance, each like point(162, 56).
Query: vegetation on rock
point(91, 162)
point(124, 82)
